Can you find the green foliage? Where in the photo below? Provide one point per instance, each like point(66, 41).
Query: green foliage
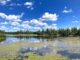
point(2, 36)
point(61, 32)
point(74, 31)
point(64, 32)
point(78, 33)
point(51, 32)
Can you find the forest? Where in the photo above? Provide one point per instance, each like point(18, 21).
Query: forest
point(51, 32)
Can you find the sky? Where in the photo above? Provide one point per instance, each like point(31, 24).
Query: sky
point(36, 15)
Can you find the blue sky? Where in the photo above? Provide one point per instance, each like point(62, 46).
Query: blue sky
point(39, 14)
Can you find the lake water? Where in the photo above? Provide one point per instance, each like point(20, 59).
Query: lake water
point(65, 46)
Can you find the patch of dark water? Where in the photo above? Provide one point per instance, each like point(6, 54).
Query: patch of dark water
point(69, 54)
point(39, 51)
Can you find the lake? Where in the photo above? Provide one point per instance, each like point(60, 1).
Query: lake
point(68, 47)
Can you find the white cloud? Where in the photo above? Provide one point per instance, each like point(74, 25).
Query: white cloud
point(25, 22)
point(52, 26)
point(75, 21)
point(49, 17)
point(27, 26)
point(14, 23)
point(29, 5)
point(36, 28)
point(4, 23)
point(38, 22)
point(33, 24)
point(10, 17)
point(4, 2)
point(16, 28)
point(2, 15)
point(66, 10)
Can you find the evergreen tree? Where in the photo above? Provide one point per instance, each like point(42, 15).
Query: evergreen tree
point(74, 31)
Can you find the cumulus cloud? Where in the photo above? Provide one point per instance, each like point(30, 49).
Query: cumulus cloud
point(15, 23)
point(4, 2)
point(52, 26)
point(33, 24)
point(49, 17)
point(26, 26)
point(10, 17)
point(38, 22)
point(66, 10)
point(25, 22)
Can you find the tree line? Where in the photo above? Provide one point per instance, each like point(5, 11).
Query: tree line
point(52, 32)
point(47, 32)
point(60, 32)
